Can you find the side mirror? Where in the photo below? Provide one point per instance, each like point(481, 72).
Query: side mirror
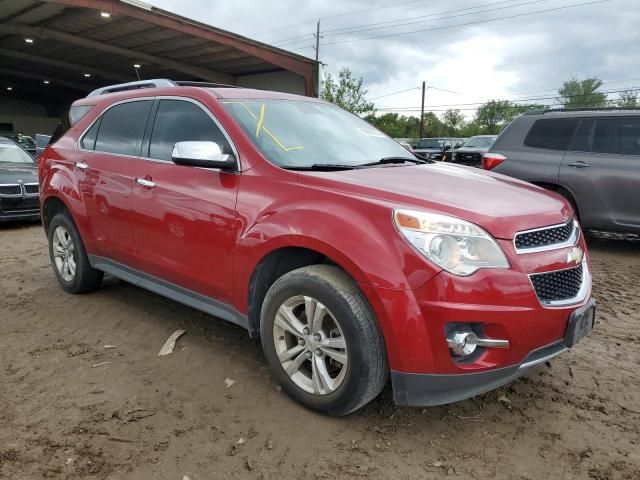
point(202, 154)
point(447, 148)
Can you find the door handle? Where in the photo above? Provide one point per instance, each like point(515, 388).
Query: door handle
point(81, 166)
point(578, 165)
point(145, 183)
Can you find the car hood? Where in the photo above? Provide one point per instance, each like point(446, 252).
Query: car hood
point(18, 172)
point(499, 204)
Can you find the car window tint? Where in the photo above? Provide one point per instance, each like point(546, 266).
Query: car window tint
point(89, 139)
point(182, 121)
point(617, 136)
point(584, 136)
point(122, 127)
point(551, 134)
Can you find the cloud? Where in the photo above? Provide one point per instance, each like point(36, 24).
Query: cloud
point(498, 59)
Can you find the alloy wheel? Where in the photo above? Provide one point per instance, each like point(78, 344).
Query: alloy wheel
point(64, 253)
point(310, 345)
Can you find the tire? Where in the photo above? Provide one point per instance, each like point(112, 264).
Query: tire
point(317, 379)
point(69, 261)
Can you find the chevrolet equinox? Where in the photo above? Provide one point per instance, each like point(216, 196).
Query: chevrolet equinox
point(352, 260)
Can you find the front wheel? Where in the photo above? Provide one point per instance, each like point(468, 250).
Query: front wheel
point(322, 341)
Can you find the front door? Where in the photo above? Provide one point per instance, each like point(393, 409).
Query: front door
point(185, 222)
point(602, 170)
point(103, 167)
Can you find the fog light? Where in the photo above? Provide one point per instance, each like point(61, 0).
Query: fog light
point(462, 344)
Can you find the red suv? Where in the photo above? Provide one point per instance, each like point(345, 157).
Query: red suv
point(352, 259)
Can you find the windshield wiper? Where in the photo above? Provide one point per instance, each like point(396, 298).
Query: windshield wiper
point(322, 167)
point(390, 160)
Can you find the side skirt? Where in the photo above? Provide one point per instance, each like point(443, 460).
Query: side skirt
point(169, 290)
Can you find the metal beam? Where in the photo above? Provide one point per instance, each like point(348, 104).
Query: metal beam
point(281, 58)
point(66, 65)
point(34, 76)
point(48, 34)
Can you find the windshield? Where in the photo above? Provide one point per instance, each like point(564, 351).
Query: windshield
point(480, 142)
point(14, 154)
point(294, 133)
point(430, 143)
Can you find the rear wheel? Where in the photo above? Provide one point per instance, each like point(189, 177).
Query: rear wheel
point(322, 341)
point(69, 258)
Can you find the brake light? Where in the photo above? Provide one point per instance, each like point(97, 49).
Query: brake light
point(492, 160)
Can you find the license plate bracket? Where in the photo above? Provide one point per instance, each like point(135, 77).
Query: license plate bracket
point(581, 322)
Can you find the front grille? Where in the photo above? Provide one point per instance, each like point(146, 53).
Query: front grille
point(558, 285)
point(31, 188)
point(10, 190)
point(544, 237)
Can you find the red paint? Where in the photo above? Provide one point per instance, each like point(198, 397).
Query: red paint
point(207, 231)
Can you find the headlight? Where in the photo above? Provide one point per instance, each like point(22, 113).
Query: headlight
point(457, 246)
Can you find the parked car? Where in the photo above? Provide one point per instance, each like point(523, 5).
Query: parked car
point(406, 146)
point(440, 148)
point(41, 142)
point(18, 183)
point(471, 151)
point(592, 158)
point(24, 141)
point(351, 259)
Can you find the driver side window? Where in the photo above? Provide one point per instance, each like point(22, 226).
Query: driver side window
point(182, 121)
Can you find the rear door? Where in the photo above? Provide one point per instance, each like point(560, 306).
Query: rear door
point(185, 216)
point(103, 167)
point(602, 171)
point(535, 150)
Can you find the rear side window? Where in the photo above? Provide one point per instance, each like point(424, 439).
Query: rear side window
point(182, 121)
point(584, 136)
point(617, 136)
point(89, 139)
point(77, 112)
point(121, 128)
point(551, 134)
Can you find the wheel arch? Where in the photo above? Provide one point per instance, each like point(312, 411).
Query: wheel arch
point(277, 262)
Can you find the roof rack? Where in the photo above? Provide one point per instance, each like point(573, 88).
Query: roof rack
point(590, 109)
point(155, 83)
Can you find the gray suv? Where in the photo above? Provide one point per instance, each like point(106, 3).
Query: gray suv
point(591, 157)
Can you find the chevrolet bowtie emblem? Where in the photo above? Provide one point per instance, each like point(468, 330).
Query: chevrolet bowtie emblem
point(575, 255)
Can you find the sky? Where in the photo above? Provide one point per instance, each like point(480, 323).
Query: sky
point(464, 50)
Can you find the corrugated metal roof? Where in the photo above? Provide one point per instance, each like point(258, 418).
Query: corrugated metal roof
point(72, 38)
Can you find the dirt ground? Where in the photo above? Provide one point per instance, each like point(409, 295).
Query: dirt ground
point(147, 417)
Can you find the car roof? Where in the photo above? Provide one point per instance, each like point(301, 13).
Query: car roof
point(179, 90)
point(603, 112)
point(7, 141)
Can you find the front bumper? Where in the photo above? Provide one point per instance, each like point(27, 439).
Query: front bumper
point(497, 304)
point(423, 390)
point(18, 208)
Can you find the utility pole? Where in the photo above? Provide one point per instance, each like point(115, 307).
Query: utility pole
point(318, 41)
point(422, 111)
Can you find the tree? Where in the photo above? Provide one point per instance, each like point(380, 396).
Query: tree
point(628, 99)
point(582, 93)
point(347, 92)
point(395, 125)
point(493, 114)
point(453, 121)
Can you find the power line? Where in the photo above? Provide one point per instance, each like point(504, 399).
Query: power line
point(606, 82)
point(353, 12)
point(383, 25)
point(477, 22)
point(606, 92)
point(289, 39)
